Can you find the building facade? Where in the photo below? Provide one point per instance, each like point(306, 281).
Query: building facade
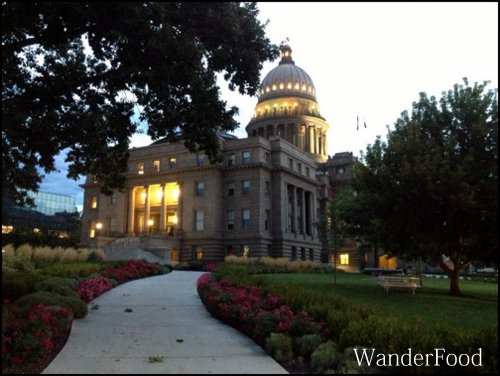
point(264, 199)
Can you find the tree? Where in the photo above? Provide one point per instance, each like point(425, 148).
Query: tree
point(431, 190)
point(74, 73)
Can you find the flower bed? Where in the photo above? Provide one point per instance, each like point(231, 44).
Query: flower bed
point(92, 288)
point(254, 312)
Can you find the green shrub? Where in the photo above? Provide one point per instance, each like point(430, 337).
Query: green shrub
point(73, 270)
point(348, 363)
point(306, 344)
point(19, 283)
point(325, 357)
point(18, 261)
point(279, 346)
point(75, 305)
point(62, 286)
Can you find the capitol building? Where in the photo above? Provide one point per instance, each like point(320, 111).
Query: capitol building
point(263, 199)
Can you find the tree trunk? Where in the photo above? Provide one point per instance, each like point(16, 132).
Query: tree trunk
point(453, 274)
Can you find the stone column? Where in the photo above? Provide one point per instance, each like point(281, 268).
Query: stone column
point(163, 209)
point(131, 210)
point(146, 209)
point(311, 140)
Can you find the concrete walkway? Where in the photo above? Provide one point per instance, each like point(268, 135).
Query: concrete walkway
point(167, 320)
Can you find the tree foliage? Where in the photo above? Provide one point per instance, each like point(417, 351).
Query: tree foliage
point(431, 190)
point(74, 73)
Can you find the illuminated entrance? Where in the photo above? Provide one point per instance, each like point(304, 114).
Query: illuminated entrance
point(154, 209)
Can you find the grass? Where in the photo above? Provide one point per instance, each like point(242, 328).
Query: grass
point(432, 304)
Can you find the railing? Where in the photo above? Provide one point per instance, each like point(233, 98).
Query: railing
point(116, 246)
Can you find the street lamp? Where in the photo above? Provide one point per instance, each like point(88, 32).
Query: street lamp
point(98, 227)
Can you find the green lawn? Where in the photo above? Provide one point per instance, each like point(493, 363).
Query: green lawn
point(431, 303)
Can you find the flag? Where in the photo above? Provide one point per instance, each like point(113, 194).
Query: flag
point(357, 123)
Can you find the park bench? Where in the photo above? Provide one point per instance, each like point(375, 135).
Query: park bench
point(411, 283)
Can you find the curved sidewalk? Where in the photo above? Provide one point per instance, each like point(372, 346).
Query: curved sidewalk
point(167, 320)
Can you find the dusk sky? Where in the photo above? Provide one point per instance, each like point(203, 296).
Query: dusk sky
point(367, 60)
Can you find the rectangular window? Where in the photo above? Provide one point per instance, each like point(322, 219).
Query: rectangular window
point(268, 188)
point(198, 253)
point(200, 188)
point(311, 254)
point(299, 167)
point(245, 219)
point(268, 158)
point(112, 198)
point(230, 189)
point(231, 159)
point(172, 161)
point(344, 259)
point(200, 159)
point(294, 253)
point(199, 218)
point(303, 254)
point(307, 171)
point(267, 220)
point(112, 224)
point(245, 157)
point(245, 187)
point(290, 163)
point(140, 168)
point(93, 204)
point(230, 219)
point(156, 165)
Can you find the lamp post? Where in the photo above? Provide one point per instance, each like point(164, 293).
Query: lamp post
point(98, 227)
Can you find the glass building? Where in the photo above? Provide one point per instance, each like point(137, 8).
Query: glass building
point(51, 203)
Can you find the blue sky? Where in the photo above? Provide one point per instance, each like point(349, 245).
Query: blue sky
point(366, 59)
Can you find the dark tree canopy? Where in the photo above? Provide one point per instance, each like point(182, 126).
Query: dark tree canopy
point(164, 56)
point(431, 190)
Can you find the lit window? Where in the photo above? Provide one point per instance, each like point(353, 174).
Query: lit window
point(344, 259)
point(231, 159)
point(267, 89)
point(156, 166)
point(304, 87)
point(245, 219)
point(199, 221)
point(289, 86)
point(140, 168)
point(297, 86)
point(230, 189)
point(245, 157)
point(198, 253)
point(92, 233)
point(172, 162)
point(94, 202)
point(274, 87)
point(200, 188)
point(230, 219)
point(282, 86)
point(245, 187)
